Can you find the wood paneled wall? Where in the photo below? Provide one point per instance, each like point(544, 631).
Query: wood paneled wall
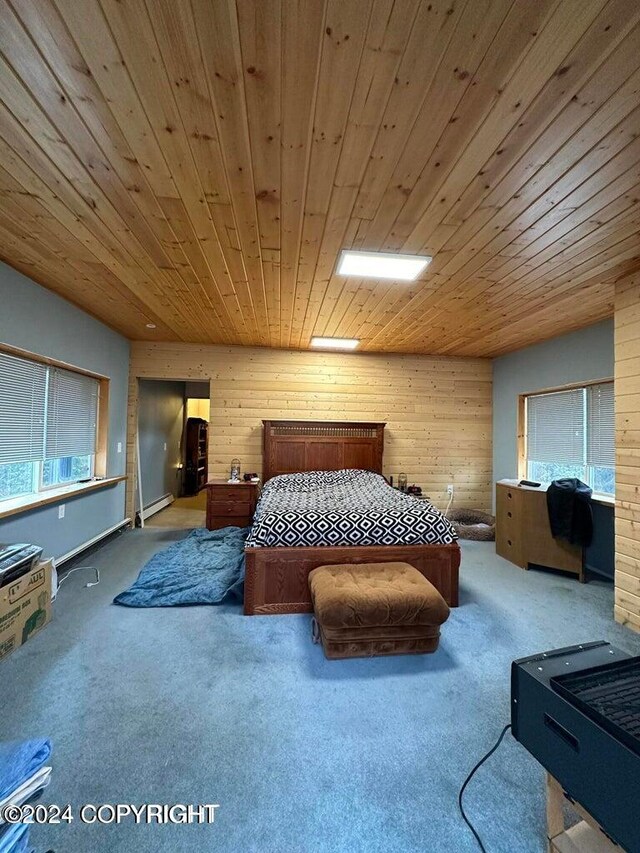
point(627, 383)
point(437, 409)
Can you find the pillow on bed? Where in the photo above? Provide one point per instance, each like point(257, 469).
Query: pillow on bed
point(311, 480)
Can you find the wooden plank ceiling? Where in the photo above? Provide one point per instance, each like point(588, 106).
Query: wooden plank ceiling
point(199, 164)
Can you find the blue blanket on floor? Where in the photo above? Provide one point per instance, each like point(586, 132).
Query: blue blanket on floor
point(19, 761)
point(14, 838)
point(205, 568)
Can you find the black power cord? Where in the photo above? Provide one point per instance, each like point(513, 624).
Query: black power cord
point(470, 777)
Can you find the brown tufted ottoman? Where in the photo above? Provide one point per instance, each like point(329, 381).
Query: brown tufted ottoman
point(375, 609)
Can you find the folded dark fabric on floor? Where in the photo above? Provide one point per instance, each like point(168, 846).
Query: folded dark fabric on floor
point(570, 513)
point(19, 761)
point(205, 568)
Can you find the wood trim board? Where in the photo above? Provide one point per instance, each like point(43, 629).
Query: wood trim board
point(627, 406)
point(53, 362)
point(55, 496)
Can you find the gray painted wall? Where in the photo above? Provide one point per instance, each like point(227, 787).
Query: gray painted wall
point(37, 320)
point(160, 423)
point(581, 356)
point(578, 357)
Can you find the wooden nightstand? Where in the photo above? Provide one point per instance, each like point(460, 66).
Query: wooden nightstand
point(230, 504)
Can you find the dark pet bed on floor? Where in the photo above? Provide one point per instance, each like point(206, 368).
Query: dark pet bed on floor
point(473, 524)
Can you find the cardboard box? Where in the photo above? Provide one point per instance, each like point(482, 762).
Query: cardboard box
point(25, 607)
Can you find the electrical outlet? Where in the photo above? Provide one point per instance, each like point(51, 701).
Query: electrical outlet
point(450, 489)
point(165, 445)
point(119, 447)
point(61, 511)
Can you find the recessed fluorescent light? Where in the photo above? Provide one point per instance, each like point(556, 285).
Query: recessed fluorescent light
point(382, 265)
point(335, 343)
point(151, 325)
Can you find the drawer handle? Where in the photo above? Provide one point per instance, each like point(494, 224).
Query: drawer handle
point(561, 732)
point(509, 542)
point(509, 515)
point(509, 495)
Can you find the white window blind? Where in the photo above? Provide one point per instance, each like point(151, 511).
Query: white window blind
point(555, 427)
point(22, 409)
point(72, 412)
point(601, 449)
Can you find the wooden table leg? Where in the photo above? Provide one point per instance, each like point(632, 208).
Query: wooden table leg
point(555, 816)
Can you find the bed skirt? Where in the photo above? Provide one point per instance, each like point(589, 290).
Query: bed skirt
point(277, 579)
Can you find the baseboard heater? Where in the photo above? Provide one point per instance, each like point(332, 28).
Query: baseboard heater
point(90, 542)
point(157, 505)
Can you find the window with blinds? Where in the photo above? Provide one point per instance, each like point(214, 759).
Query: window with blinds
point(23, 394)
point(571, 434)
point(601, 445)
point(48, 425)
point(72, 413)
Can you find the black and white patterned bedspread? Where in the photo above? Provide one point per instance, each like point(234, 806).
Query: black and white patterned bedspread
point(348, 507)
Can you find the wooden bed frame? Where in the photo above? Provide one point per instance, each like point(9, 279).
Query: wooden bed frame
point(291, 447)
point(277, 579)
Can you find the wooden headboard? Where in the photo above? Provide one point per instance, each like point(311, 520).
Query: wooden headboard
point(290, 447)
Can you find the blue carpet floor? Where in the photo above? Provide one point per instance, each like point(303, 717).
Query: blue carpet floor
point(203, 705)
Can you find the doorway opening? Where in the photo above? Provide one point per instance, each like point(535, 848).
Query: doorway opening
point(173, 446)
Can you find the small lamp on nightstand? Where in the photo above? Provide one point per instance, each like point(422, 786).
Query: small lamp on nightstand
point(235, 470)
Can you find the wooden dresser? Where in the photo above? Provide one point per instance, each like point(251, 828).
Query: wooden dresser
point(523, 533)
point(230, 504)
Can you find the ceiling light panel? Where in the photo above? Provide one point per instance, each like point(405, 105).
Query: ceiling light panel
point(335, 343)
point(382, 265)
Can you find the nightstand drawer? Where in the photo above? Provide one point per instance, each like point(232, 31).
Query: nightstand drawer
point(229, 507)
point(230, 493)
point(216, 522)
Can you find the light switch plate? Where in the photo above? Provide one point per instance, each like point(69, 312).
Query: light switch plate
point(119, 447)
point(61, 509)
point(165, 445)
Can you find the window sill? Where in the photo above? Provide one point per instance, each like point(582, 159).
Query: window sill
point(53, 496)
point(605, 500)
point(596, 497)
